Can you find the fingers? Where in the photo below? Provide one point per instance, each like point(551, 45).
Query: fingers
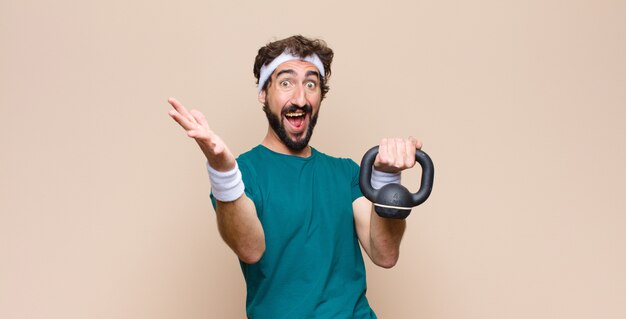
point(392, 151)
point(397, 154)
point(382, 152)
point(191, 121)
point(404, 157)
point(181, 109)
point(400, 154)
point(409, 149)
point(199, 117)
point(197, 127)
point(416, 142)
point(182, 121)
point(387, 158)
point(182, 116)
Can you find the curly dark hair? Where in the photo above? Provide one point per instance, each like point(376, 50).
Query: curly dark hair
point(298, 46)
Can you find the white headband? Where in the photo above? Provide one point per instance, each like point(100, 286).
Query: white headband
point(268, 69)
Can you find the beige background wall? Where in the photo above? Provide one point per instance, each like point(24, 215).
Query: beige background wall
point(103, 201)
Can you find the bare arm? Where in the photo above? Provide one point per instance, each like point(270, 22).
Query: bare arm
point(381, 237)
point(241, 229)
point(237, 221)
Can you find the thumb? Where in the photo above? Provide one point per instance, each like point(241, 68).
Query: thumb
point(416, 142)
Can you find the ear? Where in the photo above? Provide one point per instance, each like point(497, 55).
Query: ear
point(262, 96)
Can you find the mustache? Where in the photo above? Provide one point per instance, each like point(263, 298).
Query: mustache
point(293, 108)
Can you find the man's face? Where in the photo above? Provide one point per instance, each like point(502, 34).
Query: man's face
point(292, 101)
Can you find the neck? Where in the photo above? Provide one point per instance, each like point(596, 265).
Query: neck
point(272, 142)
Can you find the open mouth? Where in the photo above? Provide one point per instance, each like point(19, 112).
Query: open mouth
point(297, 119)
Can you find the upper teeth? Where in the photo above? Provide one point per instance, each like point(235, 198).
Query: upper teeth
point(294, 114)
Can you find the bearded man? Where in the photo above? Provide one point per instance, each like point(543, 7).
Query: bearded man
point(294, 216)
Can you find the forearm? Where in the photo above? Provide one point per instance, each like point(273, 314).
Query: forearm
point(394, 156)
point(385, 237)
point(241, 228)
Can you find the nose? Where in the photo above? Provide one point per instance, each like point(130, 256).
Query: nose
point(299, 97)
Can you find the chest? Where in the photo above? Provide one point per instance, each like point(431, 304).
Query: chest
point(310, 201)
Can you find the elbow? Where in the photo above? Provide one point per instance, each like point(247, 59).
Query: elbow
point(387, 260)
point(252, 256)
point(387, 263)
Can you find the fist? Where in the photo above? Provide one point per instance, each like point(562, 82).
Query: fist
point(396, 154)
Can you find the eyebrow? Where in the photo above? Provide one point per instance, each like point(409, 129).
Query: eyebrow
point(311, 72)
point(292, 72)
point(289, 71)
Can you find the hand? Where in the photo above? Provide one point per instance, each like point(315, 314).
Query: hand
point(197, 127)
point(396, 154)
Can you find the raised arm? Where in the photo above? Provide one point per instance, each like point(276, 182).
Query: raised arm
point(381, 237)
point(237, 220)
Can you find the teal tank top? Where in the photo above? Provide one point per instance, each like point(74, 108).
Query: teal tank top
point(312, 266)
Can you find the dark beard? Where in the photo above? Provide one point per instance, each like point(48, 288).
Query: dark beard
point(279, 128)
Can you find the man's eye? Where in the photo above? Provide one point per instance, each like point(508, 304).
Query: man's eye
point(284, 83)
point(311, 85)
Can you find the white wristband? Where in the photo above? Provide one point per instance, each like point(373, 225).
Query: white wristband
point(226, 186)
point(380, 179)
